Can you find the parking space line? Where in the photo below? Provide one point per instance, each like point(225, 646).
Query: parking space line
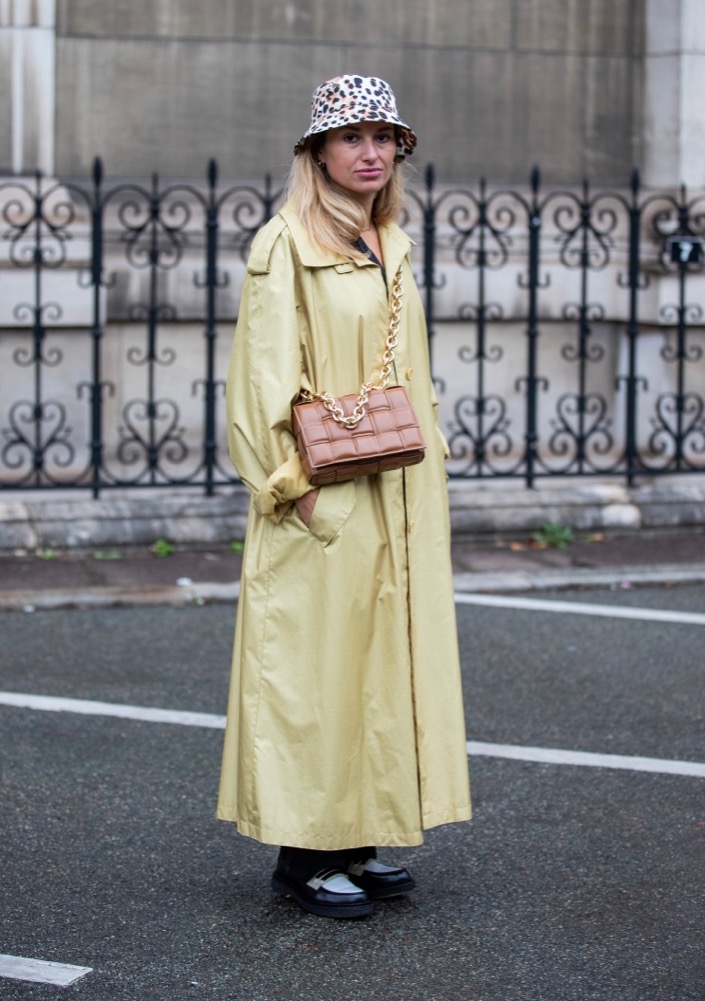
point(555, 756)
point(39, 971)
point(540, 755)
point(86, 707)
point(581, 608)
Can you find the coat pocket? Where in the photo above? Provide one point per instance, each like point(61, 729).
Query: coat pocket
point(333, 508)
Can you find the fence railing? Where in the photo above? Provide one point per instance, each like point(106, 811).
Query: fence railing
point(565, 328)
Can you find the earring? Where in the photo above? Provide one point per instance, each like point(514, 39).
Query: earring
point(322, 165)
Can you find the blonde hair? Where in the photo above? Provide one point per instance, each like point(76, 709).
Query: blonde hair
point(333, 219)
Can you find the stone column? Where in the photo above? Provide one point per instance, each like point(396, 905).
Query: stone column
point(27, 85)
point(674, 84)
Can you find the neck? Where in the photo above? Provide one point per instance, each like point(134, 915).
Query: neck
point(366, 203)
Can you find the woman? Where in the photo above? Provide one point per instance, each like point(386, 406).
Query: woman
point(345, 720)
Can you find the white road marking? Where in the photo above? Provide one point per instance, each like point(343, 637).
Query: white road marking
point(555, 756)
point(581, 608)
point(38, 971)
point(542, 755)
point(85, 707)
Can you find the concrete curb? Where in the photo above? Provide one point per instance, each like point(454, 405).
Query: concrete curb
point(128, 522)
point(31, 600)
point(550, 580)
point(476, 509)
point(464, 583)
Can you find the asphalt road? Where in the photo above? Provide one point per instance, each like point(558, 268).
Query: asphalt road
point(571, 883)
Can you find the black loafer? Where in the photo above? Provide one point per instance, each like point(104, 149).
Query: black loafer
point(329, 894)
point(380, 881)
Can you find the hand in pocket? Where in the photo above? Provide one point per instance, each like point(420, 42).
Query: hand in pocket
point(306, 504)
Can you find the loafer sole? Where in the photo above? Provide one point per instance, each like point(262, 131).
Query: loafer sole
point(385, 892)
point(353, 909)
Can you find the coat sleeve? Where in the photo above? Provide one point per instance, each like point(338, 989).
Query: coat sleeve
point(445, 447)
point(444, 441)
point(264, 378)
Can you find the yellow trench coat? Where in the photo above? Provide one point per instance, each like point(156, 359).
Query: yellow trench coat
point(345, 719)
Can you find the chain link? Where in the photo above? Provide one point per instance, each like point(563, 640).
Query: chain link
point(329, 402)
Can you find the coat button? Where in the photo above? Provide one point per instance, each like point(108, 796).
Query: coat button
point(409, 373)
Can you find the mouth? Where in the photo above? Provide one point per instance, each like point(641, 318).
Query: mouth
point(369, 173)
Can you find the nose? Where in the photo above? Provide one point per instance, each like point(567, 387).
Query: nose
point(369, 150)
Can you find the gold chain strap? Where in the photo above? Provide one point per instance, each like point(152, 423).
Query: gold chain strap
point(335, 410)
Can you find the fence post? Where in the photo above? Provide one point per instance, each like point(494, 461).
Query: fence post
point(682, 333)
point(631, 452)
point(96, 389)
point(532, 329)
point(481, 324)
point(268, 199)
point(429, 251)
point(211, 284)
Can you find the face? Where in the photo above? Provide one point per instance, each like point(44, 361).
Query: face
point(360, 158)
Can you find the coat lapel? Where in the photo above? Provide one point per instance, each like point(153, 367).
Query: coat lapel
point(395, 246)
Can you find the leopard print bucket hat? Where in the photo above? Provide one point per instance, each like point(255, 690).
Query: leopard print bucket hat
point(346, 100)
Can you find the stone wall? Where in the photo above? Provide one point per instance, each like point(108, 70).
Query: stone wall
point(582, 87)
point(492, 86)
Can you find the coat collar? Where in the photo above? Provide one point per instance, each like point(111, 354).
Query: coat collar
point(395, 245)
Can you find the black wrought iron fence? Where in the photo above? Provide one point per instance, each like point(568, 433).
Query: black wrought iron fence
point(565, 328)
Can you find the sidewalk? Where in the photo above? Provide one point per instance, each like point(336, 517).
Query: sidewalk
point(115, 577)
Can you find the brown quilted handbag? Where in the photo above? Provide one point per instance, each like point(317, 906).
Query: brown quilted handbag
point(387, 437)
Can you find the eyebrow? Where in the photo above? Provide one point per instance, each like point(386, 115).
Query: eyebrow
point(357, 126)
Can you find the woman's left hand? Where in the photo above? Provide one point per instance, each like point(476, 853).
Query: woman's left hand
point(306, 504)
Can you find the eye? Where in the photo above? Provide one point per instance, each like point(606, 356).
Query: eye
point(385, 137)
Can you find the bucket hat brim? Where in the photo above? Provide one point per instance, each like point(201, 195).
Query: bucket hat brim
point(351, 99)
